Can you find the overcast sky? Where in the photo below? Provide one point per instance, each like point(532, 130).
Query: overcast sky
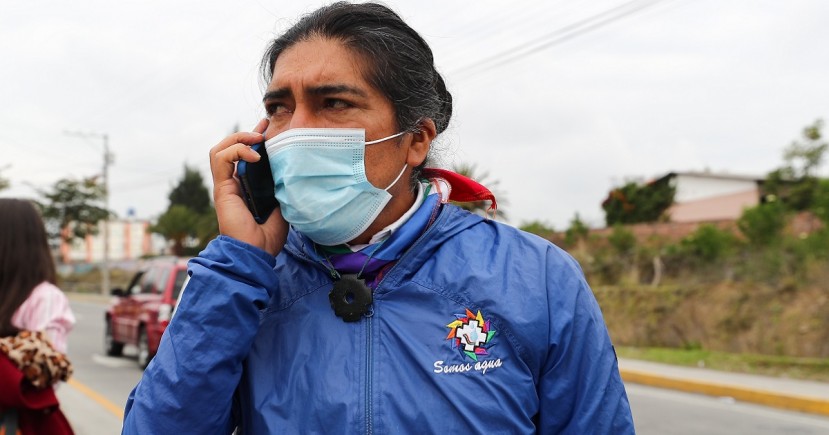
point(558, 100)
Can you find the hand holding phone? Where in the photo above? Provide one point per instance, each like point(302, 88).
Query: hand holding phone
point(257, 185)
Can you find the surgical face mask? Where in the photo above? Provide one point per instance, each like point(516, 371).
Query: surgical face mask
point(320, 182)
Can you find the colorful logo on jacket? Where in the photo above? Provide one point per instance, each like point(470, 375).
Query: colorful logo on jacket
point(471, 334)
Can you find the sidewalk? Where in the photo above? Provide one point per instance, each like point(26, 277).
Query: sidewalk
point(791, 394)
point(86, 415)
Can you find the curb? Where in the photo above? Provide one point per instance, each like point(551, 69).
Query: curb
point(791, 402)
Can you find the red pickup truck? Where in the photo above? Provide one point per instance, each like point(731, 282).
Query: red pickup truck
point(140, 314)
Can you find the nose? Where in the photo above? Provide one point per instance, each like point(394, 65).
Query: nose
point(303, 117)
point(303, 114)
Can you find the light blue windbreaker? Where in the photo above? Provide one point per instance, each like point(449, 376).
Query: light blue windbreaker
point(479, 328)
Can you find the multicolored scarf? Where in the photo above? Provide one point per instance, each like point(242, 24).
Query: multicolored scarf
point(372, 261)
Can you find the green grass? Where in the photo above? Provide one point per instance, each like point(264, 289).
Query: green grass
point(90, 282)
point(816, 369)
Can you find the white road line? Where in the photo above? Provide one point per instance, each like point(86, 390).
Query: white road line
point(112, 362)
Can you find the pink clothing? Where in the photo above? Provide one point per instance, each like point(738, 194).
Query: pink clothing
point(46, 309)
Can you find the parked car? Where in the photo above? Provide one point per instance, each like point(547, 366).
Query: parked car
point(140, 314)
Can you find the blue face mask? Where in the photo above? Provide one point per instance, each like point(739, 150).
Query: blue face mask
point(320, 182)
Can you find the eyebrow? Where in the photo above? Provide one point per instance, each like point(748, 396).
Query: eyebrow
point(316, 90)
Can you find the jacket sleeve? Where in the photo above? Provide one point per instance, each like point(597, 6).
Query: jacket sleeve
point(189, 385)
point(580, 389)
point(47, 309)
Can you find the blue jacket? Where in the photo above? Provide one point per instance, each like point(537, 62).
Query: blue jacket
point(479, 328)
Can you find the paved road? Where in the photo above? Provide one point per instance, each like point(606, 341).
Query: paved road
point(101, 385)
point(658, 411)
point(95, 397)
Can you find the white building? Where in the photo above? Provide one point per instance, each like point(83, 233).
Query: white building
point(704, 196)
point(129, 239)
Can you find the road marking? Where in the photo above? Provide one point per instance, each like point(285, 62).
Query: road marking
point(112, 362)
point(97, 397)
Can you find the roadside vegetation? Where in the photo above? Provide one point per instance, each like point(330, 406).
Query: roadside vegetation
point(747, 295)
point(816, 369)
point(89, 281)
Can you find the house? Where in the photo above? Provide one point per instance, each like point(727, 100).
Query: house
point(707, 196)
point(129, 239)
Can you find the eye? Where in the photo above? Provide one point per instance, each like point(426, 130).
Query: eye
point(336, 104)
point(276, 108)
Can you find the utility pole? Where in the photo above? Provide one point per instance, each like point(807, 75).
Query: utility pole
point(108, 160)
point(105, 285)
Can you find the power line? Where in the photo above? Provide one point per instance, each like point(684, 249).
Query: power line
point(557, 36)
point(459, 49)
point(85, 137)
point(478, 30)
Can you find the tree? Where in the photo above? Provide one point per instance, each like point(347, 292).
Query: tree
point(795, 183)
point(804, 158)
point(191, 192)
point(176, 224)
point(75, 205)
point(635, 203)
point(189, 215)
point(207, 228)
point(480, 207)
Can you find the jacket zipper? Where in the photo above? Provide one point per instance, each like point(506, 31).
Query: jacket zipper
point(369, 380)
point(369, 359)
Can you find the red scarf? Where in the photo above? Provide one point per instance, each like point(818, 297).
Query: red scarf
point(464, 189)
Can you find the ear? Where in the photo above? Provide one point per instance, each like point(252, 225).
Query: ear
point(421, 141)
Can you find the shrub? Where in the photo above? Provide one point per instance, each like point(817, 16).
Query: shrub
point(820, 204)
point(577, 231)
point(708, 243)
point(622, 240)
point(538, 228)
point(762, 225)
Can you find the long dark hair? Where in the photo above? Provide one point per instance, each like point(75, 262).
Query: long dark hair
point(25, 259)
point(400, 63)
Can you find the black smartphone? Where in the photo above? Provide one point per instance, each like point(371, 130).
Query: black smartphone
point(257, 185)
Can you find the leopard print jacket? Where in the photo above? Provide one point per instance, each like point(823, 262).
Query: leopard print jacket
point(33, 354)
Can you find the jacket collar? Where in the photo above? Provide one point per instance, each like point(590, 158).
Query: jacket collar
point(451, 221)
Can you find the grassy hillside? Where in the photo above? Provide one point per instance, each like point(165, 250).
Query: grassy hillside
point(710, 287)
